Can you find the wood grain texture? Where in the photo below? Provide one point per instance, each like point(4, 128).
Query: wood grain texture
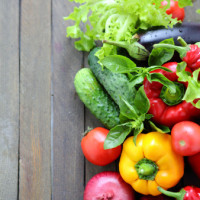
point(9, 98)
point(68, 160)
point(35, 101)
point(190, 12)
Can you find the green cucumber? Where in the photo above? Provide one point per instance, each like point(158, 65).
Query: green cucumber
point(117, 85)
point(95, 98)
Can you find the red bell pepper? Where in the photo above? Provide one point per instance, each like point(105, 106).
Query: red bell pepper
point(187, 193)
point(168, 109)
point(194, 162)
point(188, 53)
point(192, 57)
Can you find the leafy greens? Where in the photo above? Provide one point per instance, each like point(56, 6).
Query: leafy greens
point(115, 20)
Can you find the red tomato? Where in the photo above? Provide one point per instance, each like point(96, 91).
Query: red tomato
point(194, 162)
point(92, 147)
point(175, 10)
point(186, 138)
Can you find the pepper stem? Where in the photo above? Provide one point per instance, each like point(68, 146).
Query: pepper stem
point(178, 195)
point(146, 169)
point(181, 50)
point(182, 41)
point(172, 98)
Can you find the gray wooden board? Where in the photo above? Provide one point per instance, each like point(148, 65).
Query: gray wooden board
point(68, 160)
point(9, 98)
point(35, 100)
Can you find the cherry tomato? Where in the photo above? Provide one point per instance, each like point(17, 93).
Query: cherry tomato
point(194, 162)
point(186, 138)
point(175, 10)
point(92, 147)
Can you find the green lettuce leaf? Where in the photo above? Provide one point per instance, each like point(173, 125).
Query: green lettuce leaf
point(115, 20)
point(192, 93)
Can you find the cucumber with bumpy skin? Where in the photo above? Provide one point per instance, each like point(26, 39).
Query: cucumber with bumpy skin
point(117, 85)
point(95, 98)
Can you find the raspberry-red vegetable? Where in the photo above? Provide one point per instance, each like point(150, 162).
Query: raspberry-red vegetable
point(108, 186)
point(169, 109)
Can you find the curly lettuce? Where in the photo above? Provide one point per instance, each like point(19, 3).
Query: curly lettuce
point(116, 20)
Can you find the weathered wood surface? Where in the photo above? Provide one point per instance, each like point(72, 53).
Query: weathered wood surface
point(41, 116)
point(35, 101)
point(9, 98)
point(68, 161)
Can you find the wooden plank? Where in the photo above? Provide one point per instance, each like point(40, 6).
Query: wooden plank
point(35, 100)
point(190, 12)
point(68, 160)
point(9, 98)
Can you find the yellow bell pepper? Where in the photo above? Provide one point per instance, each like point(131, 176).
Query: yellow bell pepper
point(151, 163)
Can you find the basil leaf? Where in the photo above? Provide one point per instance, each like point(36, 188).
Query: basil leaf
point(117, 135)
point(137, 79)
point(119, 64)
point(152, 68)
point(127, 110)
point(159, 128)
point(164, 81)
point(161, 55)
point(137, 131)
point(141, 101)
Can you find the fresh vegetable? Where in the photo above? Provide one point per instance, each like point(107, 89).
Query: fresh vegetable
point(116, 21)
point(151, 37)
point(108, 186)
point(134, 49)
point(187, 193)
point(188, 53)
point(192, 94)
point(132, 119)
point(117, 85)
point(186, 138)
point(166, 106)
point(92, 147)
point(95, 98)
point(175, 10)
point(150, 163)
point(194, 162)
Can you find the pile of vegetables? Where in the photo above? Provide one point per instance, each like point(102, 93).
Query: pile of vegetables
point(144, 91)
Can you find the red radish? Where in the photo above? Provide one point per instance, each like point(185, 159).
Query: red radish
point(108, 186)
